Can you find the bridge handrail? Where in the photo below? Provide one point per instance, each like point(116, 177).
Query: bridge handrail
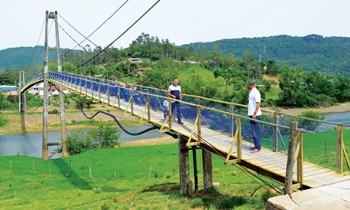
point(220, 111)
point(102, 81)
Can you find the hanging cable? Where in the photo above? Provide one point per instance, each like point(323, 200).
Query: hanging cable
point(108, 114)
point(122, 34)
point(87, 37)
point(37, 44)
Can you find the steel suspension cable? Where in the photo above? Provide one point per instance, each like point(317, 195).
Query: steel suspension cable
point(87, 37)
point(122, 34)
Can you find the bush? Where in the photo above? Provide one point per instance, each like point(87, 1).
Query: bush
point(196, 202)
point(105, 136)
point(79, 142)
point(229, 203)
point(309, 124)
point(102, 137)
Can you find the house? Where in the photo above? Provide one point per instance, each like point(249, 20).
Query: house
point(135, 60)
point(140, 70)
point(4, 88)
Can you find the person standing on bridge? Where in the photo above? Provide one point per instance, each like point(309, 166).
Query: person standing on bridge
point(254, 112)
point(174, 91)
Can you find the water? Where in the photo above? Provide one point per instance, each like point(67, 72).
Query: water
point(338, 117)
point(31, 144)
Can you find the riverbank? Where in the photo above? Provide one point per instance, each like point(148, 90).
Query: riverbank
point(344, 107)
point(75, 120)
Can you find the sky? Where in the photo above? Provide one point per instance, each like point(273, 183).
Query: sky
point(180, 21)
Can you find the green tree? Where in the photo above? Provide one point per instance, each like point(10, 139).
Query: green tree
point(105, 136)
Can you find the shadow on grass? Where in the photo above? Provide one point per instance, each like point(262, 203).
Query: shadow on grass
point(71, 176)
point(210, 197)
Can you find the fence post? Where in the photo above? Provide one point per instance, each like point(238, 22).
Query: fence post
point(340, 154)
point(108, 94)
point(293, 135)
point(92, 90)
point(300, 159)
point(99, 92)
point(148, 108)
point(239, 139)
point(275, 141)
point(232, 122)
point(132, 102)
point(170, 113)
point(199, 124)
point(119, 97)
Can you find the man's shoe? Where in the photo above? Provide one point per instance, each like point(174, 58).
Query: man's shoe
point(255, 150)
point(180, 123)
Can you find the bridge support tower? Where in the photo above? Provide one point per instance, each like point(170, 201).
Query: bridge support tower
point(63, 143)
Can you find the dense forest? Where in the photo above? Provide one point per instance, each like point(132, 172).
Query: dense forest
point(209, 73)
point(329, 55)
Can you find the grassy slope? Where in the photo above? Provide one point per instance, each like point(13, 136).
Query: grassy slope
point(145, 178)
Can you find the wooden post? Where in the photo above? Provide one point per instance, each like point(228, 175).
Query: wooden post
point(300, 159)
point(92, 90)
point(185, 183)
point(119, 97)
point(232, 122)
point(340, 154)
point(132, 102)
point(148, 109)
point(45, 148)
point(90, 172)
point(291, 157)
point(70, 168)
point(99, 92)
point(108, 94)
point(86, 88)
point(170, 113)
point(275, 141)
point(239, 139)
point(207, 169)
point(65, 152)
point(199, 124)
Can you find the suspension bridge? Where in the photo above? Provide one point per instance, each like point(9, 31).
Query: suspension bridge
point(223, 129)
point(300, 152)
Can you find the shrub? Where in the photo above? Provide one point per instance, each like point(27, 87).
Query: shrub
point(196, 202)
point(229, 203)
point(79, 142)
point(105, 136)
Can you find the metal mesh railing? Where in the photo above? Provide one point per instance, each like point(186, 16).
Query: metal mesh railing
point(218, 121)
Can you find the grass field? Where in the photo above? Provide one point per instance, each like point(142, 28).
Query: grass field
point(123, 178)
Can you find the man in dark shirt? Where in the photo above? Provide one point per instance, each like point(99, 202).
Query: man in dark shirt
point(174, 91)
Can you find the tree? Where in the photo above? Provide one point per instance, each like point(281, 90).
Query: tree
point(227, 74)
point(105, 136)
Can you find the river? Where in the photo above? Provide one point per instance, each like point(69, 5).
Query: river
point(30, 144)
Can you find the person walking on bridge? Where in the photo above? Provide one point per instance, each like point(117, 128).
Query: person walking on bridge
point(254, 112)
point(174, 91)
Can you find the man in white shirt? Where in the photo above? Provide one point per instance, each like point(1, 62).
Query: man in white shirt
point(174, 91)
point(254, 112)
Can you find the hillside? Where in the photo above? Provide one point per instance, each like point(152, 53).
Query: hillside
point(23, 56)
point(330, 55)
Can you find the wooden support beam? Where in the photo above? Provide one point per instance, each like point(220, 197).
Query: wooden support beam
point(239, 139)
point(275, 130)
point(340, 154)
point(300, 160)
point(184, 168)
point(207, 168)
point(291, 157)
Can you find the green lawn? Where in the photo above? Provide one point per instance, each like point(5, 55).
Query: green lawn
point(146, 178)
